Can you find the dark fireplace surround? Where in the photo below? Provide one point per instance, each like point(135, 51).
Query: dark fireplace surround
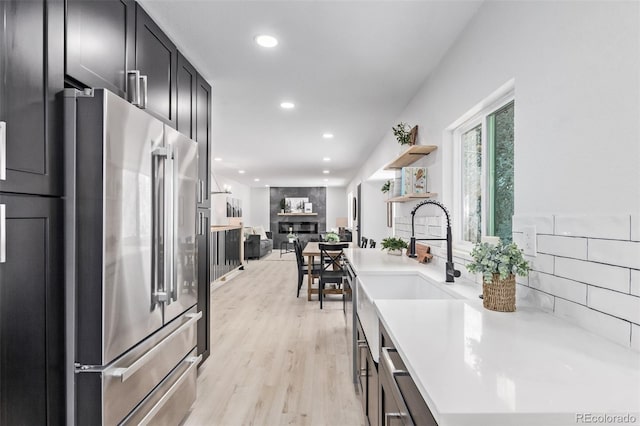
point(297, 227)
point(306, 227)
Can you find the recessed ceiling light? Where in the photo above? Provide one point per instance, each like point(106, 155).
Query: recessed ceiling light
point(287, 105)
point(217, 159)
point(327, 135)
point(326, 172)
point(256, 180)
point(241, 172)
point(326, 159)
point(266, 40)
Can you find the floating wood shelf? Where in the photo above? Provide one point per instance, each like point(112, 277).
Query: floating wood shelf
point(411, 197)
point(297, 214)
point(410, 156)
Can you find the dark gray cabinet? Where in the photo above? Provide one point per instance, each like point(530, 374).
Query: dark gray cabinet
point(100, 43)
point(187, 86)
point(157, 58)
point(204, 280)
point(367, 371)
point(30, 32)
point(31, 311)
point(203, 137)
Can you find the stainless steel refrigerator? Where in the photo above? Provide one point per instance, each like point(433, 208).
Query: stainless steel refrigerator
point(131, 256)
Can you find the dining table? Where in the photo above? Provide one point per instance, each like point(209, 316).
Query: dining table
point(312, 250)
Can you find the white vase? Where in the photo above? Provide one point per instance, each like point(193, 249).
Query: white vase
point(396, 252)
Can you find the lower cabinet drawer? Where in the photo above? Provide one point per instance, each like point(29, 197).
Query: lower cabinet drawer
point(171, 400)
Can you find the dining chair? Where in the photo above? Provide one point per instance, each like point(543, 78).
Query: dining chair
point(372, 244)
point(332, 269)
point(363, 242)
point(303, 267)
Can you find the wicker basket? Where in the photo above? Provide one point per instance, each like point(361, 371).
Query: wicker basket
point(500, 294)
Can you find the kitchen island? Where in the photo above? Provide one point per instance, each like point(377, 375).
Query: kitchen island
point(477, 367)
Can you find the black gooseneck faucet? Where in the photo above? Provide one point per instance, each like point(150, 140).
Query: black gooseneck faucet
point(449, 270)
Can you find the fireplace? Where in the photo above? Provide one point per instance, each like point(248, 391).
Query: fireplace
point(298, 227)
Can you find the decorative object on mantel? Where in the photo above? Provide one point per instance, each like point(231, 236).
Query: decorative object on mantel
point(423, 253)
point(283, 205)
point(394, 245)
point(332, 237)
point(405, 134)
point(296, 204)
point(498, 263)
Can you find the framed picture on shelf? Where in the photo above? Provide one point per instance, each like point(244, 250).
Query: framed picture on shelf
point(308, 207)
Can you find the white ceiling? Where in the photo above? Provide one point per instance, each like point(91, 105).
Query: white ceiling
point(350, 67)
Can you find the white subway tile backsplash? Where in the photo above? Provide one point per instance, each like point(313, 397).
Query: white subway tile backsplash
point(616, 227)
point(558, 286)
point(635, 337)
point(623, 306)
point(612, 277)
point(605, 325)
point(526, 296)
point(635, 282)
point(543, 224)
point(420, 220)
point(562, 246)
point(621, 253)
point(541, 263)
point(522, 280)
point(635, 227)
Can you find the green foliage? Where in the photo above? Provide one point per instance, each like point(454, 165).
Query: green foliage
point(393, 243)
point(503, 259)
point(332, 237)
point(402, 132)
point(386, 187)
point(283, 204)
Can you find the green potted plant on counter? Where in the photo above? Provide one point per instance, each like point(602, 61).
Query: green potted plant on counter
point(394, 245)
point(498, 264)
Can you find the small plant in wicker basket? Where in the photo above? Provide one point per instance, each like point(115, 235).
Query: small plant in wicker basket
point(498, 264)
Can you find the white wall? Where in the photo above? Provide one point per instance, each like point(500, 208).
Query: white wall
point(219, 201)
point(336, 205)
point(259, 214)
point(577, 129)
point(576, 72)
point(374, 212)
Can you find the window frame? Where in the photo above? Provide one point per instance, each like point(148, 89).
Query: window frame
point(479, 115)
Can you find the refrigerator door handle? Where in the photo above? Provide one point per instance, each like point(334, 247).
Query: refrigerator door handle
point(160, 244)
point(3, 233)
point(193, 361)
point(3, 150)
point(170, 233)
point(126, 372)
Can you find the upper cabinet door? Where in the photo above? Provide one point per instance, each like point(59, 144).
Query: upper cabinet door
point(203, 137)
point(187, 86)
point(100, 43)
point(29, 114)
point(157, 58)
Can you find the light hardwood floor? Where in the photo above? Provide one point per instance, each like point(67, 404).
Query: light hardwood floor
point(275, 359)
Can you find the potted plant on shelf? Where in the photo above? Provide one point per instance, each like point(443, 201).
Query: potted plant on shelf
point(283, 205)
point(386, 187)
point(498, 264)
point(402, 132)
point(332, 237)
point(394, 245)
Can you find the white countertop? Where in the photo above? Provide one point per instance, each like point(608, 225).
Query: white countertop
point(477, 367)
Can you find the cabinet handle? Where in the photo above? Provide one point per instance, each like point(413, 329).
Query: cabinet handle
point(3, 233)
point(3, 150)
point(133, 87)
point(143, 92)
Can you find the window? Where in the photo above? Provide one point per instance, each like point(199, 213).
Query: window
point(484, 173)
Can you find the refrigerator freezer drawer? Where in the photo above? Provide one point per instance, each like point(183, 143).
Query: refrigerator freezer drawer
point(171, 400)
point(108, 396)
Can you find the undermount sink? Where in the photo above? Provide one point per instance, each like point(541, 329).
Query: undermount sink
point(408, 286)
